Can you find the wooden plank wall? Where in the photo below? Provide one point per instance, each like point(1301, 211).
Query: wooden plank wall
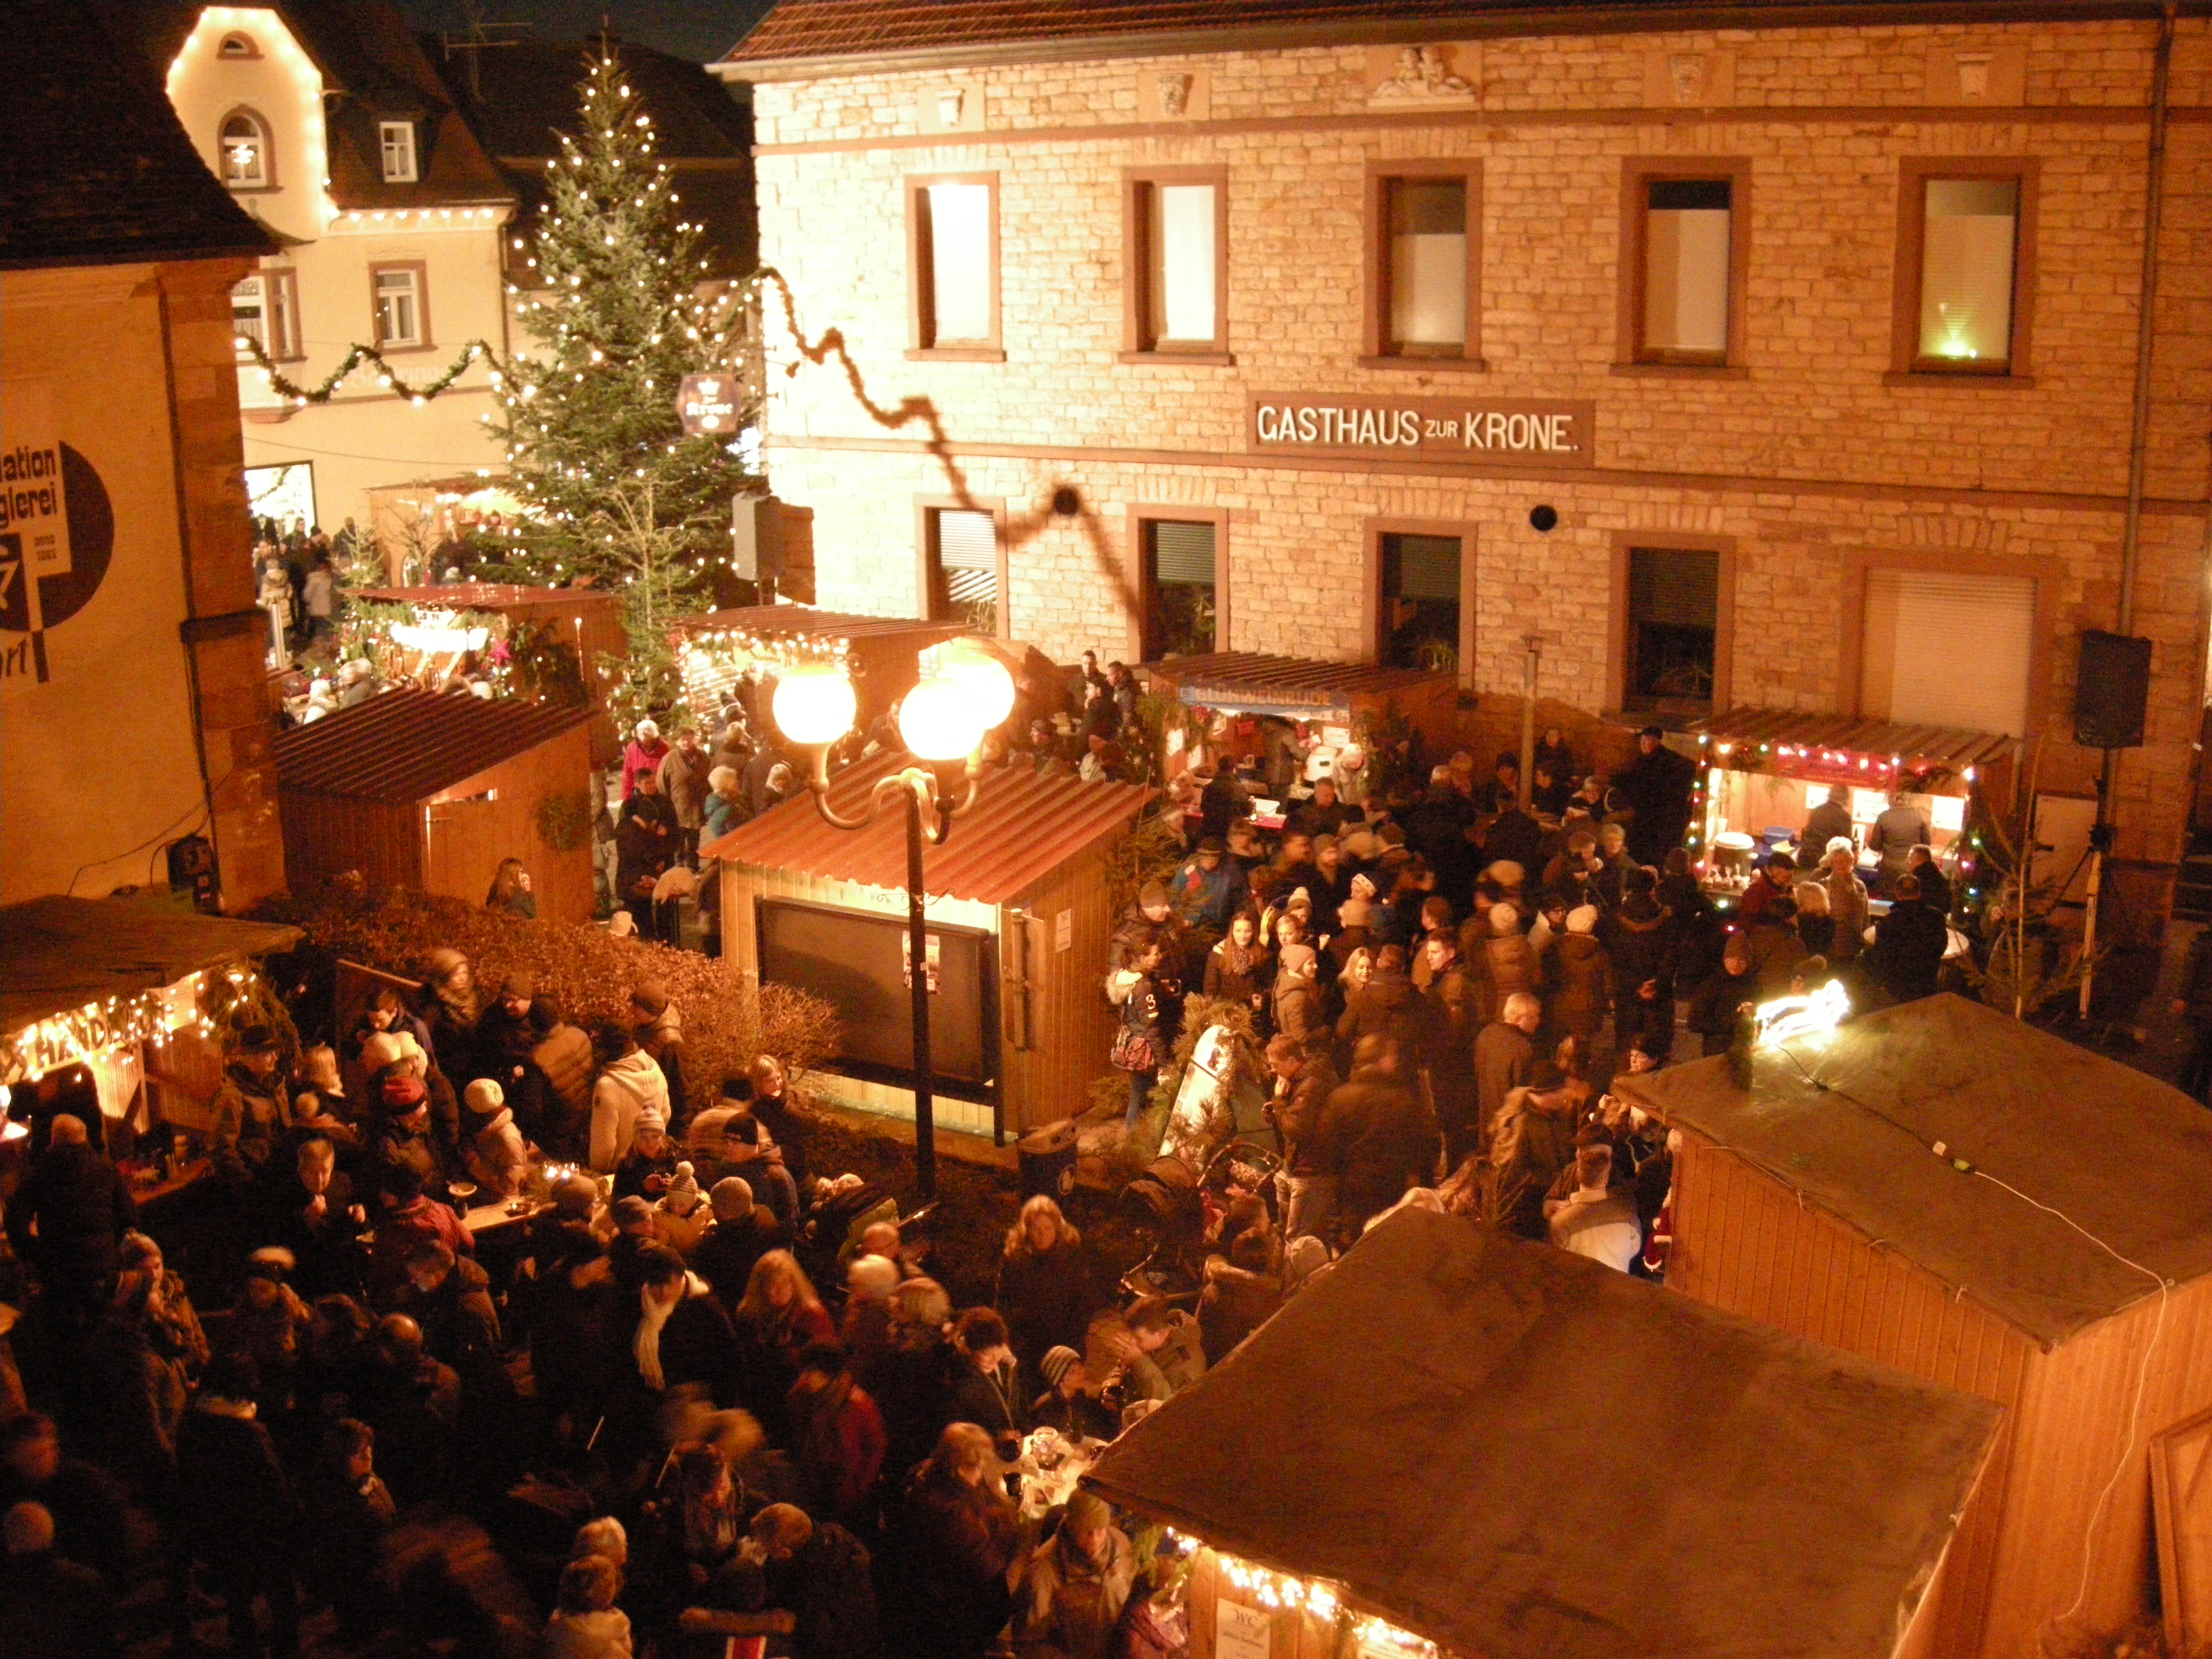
point(1744, 1242)
point(469, 835)
point(2073, 1433)
point(327, 835)
point(1071, 1026)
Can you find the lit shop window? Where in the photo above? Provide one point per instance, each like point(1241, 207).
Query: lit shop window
point(1969, 256)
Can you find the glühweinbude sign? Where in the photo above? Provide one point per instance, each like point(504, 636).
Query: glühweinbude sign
point(1522, 431)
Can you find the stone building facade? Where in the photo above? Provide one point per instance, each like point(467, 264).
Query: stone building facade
point(1814, 448)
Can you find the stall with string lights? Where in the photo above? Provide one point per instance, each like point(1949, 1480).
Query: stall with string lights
point(1456, 1442)
point(557, 644)
point(726, 656)
point(1760, 771)
point(122, 1001)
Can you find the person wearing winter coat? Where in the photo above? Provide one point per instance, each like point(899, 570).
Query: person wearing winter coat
point(1068, 1406)
point(1386, 1006)
point(984, 1388)
point(1582, 976)
point(585, 1622)
point(680, 1335)
point(1151, 1351)
point(235, 1513)
point(1243, 1282)
point(1448, 1045)
point(1720, 997)
point(1079, 1581)
point(251, 1112)
point(1297, 1000)
point(1237, 969)
point(1533, 1140)
point(1045, 1292)
point(648, 1168)
point(1500, 958)
point(1777, 951)
point(452, 1015)
point(1847, 901)
point(1313, 1152)
point(1390, 1139)
point(498, 1157)
point(1140, 1042)
point(1907, 953)
point(1635, 936)
point(838, 1434)
point(1504, 1060)
point(562, 1056)
point(684, 771)
point(81, 1206)
point(629, 1081)
point(643, 755)
point(958, 1534)
point(349, 1514)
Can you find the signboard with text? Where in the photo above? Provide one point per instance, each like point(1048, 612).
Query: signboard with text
point(708, 404)
point(1527, 431)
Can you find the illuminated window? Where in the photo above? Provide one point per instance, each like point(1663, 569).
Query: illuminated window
point(396, 141)
point(963, 554)
point(954, 247)
point(1686, 256)
point(1424, 267)
point(1970, 239)
point(244, 152)
point(1178, 262)
point(400, 318)
point(265, 308)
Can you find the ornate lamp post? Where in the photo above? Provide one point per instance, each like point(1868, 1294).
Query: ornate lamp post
point(943, 720)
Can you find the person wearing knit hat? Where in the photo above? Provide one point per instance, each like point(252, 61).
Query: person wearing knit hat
point(650, 1165)
point(1583, 919)
point(684, 1217)
point(386, 1049)
point(1504, 920)
point(743, 1232)
point(498, 1157)
point(1078, 1582)
point(1296, 992)
point(658, 1024)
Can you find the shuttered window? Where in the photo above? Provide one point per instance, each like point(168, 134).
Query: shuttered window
point(1673, 627)
point(1420, 602)
point(1969, 243)
point(1940, 648)
point(1688, 224)
point(1180, 587)
point(1427, 266)
point(963, 568)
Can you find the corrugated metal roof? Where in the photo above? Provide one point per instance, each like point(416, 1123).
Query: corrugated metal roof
point(805, 622)
point(1024, 826)
point(1261, 677)
point(408, 746)
point(1953, 746)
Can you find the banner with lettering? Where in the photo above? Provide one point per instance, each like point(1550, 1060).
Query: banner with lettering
point(1525, 432)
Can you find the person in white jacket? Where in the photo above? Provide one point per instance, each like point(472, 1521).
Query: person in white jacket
point(629, 1080)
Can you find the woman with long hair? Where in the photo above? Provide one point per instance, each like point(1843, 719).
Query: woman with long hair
point(779, 1316)
point(1044, 1284)
point(511, 890)
point(957, 1535)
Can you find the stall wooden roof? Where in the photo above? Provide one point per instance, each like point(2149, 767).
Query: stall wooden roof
point(1953, 746)
point(57, 953)
point(1024, 826)
point(1224, 678)
point(1522, 1454)
point(1851, 1128)
point(406, 746)
point(805, 622)
point(490, 596)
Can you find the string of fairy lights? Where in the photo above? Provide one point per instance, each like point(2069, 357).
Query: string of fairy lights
point(1272, 1592)
point(86, 1035)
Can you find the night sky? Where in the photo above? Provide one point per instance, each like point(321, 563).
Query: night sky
point(698, 29)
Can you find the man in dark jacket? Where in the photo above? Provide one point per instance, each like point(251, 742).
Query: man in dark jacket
point(1451, 1005)
point(414, 1405)
point(1504, 1060)
point(1637, 935)
point(1386, 1006)
point(235, 1513)
point(1657, 784)
point(1907, 953)
point(82, 1208)
point(1390, 1140)
point(1313, 1151)
point(1934, 885)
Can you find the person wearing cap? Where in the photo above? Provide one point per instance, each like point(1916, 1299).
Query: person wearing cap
point(1776, 876)
point(1720, 997)
point(250, 1115)
point(505, 1038)
point(1209, 888)
point(1581, 978)
point(658, 1024)
point(650, 1165)
point(498, 1157)
point(452, 1013)
point(1296, 997)
point(403, 1139)
point(744, 1232)
point(1499, 956)
point(642, 754)
point(1657, 788)
point(628, 1082)
point(1068, 1406)
point(1079, 1581)
point(269, 1323)
point(682, 1216)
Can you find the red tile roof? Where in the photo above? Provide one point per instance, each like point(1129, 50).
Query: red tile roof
point(1023, 827)
point(407, 746)
point(797, 31)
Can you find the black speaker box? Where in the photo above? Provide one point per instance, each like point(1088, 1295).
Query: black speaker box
point(2113, 687)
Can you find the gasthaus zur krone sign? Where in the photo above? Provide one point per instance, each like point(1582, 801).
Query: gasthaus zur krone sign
point(1525, 432)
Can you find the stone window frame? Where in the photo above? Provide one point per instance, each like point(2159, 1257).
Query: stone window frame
point(270, 183)
point(925, 549)
point(1375, 274)
point(921, 331)
point(2047, 571)
point(1467, 533)
point(280, 313)
point(422, 269)
point(1137, 515)
point(1638, 174)
point(1906, 366)
point(1137, 182)
point(1626, 541)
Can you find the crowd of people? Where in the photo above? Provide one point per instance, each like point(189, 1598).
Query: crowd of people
point(1445, 981)
point(526, 1340)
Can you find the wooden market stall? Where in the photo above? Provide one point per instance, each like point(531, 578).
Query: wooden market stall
point(587, 620)
point(2066, 1267)
point(1515, 1452)
point(105, 1000)
point(882, 654)
point(1761, 770)
point(1020, 889)
point(429, 791)
point(1328, 701)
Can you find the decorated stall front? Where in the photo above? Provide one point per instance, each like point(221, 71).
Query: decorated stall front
point(1760, 771)
point(1456, 1443)
point(435, 791)
point(1941, 1188)
point(122, 1004)
point(717, 649)
point(1274, 715)
point(539, 643)
point(1018, 922)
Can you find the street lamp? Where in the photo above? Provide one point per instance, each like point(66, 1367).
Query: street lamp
point(943, 720)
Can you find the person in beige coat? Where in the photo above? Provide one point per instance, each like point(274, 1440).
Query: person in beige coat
point(1847, 899)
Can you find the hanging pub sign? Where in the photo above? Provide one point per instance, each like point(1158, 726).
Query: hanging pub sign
point(708, 404)
point(1528, 431)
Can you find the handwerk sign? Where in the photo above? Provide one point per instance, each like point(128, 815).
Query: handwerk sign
point(1528, 431)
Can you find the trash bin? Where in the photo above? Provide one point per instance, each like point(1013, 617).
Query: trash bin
point(1048, 1159)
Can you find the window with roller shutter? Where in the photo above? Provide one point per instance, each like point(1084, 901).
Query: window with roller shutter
point(1420, 601)
point(1180, 589)
point(963, 568)
point(1672, 629)
point(1941, 647)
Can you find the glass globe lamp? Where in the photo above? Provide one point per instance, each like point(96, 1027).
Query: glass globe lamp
point(939, 720)
point(989, 686)
point(814, 704)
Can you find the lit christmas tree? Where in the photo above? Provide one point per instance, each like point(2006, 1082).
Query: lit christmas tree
point(615, 490)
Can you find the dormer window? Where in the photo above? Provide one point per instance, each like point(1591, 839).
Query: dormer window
point(236, 45)
point(246, 152)
point(397, 143)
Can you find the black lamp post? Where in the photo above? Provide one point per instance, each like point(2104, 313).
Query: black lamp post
point(943, 720)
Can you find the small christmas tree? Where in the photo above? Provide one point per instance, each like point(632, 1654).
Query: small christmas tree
point(615, 490)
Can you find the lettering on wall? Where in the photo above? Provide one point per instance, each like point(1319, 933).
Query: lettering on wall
point(1522, 430)
point(56, 529)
